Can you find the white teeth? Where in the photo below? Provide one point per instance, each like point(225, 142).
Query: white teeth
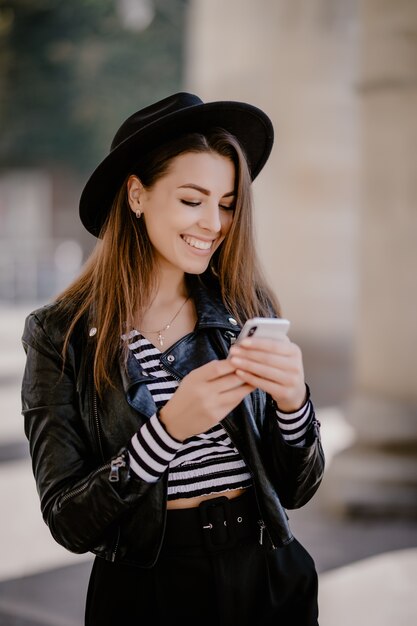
point(197, 243)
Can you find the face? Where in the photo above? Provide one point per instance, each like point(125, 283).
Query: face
point(188, 211)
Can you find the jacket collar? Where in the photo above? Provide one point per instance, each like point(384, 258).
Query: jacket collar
point(211, 311)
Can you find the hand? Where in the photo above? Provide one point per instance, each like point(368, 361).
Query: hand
point(275, 366)
point(203, 398)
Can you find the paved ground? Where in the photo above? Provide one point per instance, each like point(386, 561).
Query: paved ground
point(367, 568)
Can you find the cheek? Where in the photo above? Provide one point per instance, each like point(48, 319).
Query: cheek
point(226, 221)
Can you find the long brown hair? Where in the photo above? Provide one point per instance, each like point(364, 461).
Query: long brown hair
point(118, 280)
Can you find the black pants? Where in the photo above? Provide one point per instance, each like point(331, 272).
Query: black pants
point(228, 581)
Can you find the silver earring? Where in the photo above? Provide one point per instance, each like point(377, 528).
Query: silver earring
point(138, 212)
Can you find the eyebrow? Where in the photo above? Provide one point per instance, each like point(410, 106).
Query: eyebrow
point(206, 192)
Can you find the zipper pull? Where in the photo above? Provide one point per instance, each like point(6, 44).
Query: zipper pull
point(317, 425)
point(115, 465)
point(262, 527)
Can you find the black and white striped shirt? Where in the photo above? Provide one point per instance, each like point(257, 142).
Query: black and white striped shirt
point(205, 463)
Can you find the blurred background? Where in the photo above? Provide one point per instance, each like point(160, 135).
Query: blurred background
point(336, 217)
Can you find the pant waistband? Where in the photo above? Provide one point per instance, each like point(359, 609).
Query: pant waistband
point(216, 524)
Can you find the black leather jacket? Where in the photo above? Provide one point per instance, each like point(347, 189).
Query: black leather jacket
point(77, 444)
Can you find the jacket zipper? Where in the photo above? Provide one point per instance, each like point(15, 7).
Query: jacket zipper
point(167, 371)
point(317, 424)
point(83, 487)
point(116, 546)
point(261, 523)
point(114, 476)
point(114, 467)
point(95, 415)
point(262, 526)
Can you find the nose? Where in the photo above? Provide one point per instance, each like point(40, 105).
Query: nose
point(210, 218)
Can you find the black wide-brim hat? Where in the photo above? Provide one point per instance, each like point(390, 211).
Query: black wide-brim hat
point(159, 123)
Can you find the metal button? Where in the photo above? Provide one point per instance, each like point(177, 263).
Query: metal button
point(92, 331)
point(170, 358)
point(233, 321)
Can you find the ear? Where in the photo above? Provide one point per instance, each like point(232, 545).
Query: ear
point(134, 191)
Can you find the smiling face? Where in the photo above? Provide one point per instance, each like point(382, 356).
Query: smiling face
point(188, 211)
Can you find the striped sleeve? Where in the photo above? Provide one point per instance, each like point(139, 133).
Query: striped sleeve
point(294, 425)
point(151, 450)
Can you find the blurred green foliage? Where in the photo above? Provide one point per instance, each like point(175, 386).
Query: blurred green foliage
point(71, 72)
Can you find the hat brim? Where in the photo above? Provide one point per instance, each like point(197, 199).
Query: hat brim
point(251, 126)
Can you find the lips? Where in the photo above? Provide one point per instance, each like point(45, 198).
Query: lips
point(197, 243)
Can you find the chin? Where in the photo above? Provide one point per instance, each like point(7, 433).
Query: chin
point(196, 269)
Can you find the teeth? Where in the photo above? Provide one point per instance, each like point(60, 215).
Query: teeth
point(197, 243)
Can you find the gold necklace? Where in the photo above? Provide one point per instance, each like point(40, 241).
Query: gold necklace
point(161, 338)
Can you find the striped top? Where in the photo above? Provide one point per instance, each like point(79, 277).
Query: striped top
point(202, 464)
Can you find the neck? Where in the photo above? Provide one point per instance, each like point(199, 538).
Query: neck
point(170, 314)
point(171, 289)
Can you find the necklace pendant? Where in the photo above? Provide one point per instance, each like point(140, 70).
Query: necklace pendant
point(159, 332)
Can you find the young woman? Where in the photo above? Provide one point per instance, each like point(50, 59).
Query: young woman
point(156, 444)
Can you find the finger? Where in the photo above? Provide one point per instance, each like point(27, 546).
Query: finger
point(249, 359)
point(273, 348)
point(225, 383)
point(233, 397)
point(272, 387)
point(215, 369)
point(266, 371)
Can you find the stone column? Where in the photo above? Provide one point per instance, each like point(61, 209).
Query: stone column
point(378, 475)
point(296, 59)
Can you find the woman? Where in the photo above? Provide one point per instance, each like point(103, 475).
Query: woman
point(156, 444)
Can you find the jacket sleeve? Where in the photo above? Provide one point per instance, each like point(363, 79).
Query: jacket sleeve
point(296, 471)
point(81, 495)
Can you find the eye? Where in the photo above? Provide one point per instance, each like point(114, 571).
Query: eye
point(229, 207)
point(190, 203)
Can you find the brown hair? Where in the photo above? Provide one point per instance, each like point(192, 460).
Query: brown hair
point(118, 279)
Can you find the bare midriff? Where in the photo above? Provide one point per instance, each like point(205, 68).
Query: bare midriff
point(190, 503)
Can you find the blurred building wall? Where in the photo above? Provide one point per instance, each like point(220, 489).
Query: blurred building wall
point(336, 204)
point(298, 61)
point(379, 473)
point(70, 73)
point(40, 252)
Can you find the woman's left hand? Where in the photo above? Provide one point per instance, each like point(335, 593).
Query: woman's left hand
point(275, 366)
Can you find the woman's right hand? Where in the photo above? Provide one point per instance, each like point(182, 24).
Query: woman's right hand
point(203, 398)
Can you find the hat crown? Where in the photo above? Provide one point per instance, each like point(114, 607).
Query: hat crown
point(153, 113)
point(159, 123)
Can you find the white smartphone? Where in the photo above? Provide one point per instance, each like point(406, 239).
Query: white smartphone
point(267, 327)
